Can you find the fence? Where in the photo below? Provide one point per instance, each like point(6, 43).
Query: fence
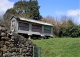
point(36, 51)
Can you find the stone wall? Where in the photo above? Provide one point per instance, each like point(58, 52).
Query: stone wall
point(14, 45)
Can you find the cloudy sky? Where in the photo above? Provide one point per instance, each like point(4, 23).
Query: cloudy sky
point(55, 8)
point(4, 5)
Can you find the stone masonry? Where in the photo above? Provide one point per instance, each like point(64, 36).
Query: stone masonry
point(14, 45)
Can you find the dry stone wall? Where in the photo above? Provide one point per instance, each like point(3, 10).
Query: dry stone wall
point(14, 45)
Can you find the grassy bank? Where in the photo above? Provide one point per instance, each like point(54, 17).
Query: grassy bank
point(59, 47)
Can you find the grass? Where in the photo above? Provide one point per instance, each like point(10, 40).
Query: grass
point(59, 47)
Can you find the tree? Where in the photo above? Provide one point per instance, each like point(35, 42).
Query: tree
point(21, 8)
point(34, 10)
point(27, 9)
point(68, 28)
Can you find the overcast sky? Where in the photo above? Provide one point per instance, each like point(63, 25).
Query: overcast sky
point(55, 8)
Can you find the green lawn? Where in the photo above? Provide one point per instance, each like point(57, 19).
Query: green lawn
point(59, 47)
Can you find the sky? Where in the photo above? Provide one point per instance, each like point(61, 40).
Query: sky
point(54, 8)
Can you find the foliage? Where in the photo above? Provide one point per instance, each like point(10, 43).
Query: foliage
point(27, 9)
point(59, 47)
point(34, 10)
point(69, 29)
point(21, 8)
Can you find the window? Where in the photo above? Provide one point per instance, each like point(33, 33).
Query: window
point(47, 29)
point(23, 26)
point(36, 28)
